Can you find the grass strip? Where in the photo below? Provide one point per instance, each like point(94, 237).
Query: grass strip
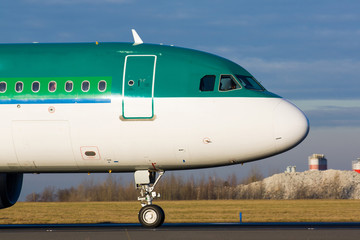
point(185, 211)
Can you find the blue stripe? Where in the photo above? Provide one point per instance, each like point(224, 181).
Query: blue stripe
point(54, 101)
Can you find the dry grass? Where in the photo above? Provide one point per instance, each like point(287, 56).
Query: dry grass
point(185, 211)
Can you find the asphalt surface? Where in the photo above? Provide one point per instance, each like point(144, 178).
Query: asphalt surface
point(221, 231)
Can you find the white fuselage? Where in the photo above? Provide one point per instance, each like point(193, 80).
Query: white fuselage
point(184, 133)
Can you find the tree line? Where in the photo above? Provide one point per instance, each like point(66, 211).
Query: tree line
point(171, 187)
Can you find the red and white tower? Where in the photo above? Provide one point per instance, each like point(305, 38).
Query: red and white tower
point(356, 165)
point(317, 162)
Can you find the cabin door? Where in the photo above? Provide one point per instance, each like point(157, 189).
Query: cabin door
point(138, 87)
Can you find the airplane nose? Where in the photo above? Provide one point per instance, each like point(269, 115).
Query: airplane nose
point(291, 126)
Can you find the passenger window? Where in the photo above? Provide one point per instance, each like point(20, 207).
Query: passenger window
point(52, 86)
point(19, 87)
point(207, 83)
point(35, 87)
point(85, 86)
point(69, 86)
point(227, 83)
point(2, 87)
point(102, 86)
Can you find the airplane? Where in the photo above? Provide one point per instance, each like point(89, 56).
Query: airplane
point(133, 107)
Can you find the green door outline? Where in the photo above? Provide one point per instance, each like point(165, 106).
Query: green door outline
point(138, 87)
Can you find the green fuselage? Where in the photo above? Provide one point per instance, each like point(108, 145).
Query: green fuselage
point(177, 72)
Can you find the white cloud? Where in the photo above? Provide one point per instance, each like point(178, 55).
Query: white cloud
point(335, 74)
point(72, 2)
point(234, 22)
point(315, 104)
point(337, 33)
point(176, 15)
point(307, 79)
point(337, 66)
point(334, 18)
point(334, 117)
point(331, 112)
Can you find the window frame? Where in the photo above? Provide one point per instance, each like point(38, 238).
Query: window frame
point(234, 79)
point(22, 87)
point(55, 86)
point(72, 86)
point(82, 84)
point(99, 86)
point(239, 78)
point(5, 87)
point(32, 86)
point(213, 85)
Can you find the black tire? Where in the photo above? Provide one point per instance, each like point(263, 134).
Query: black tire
point(151, 216)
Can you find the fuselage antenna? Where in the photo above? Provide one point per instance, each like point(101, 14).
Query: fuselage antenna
point(137, 39)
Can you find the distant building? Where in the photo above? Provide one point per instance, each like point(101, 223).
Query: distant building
point(290, 169)
point(317, 162)
point(356, 165)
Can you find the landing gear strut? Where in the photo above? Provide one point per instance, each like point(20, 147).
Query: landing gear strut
point(150, 215)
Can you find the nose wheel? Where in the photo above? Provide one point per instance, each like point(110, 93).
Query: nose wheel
point(151, 216)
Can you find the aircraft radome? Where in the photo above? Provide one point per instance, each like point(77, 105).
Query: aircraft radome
point(133, 107)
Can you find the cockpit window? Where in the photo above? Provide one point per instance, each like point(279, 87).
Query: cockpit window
point(227, 83)
point(207, 83)
point(250, 83)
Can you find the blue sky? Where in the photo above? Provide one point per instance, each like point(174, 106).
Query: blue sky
point(306, 51)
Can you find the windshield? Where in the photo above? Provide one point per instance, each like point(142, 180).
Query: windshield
point(249, 83)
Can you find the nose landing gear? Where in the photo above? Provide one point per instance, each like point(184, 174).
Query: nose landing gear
point(150, 215)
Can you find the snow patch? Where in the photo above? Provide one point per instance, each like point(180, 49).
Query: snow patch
point(329, 184)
